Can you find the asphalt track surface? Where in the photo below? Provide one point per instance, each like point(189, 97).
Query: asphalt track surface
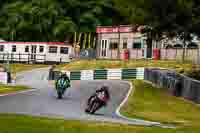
point(42, 100)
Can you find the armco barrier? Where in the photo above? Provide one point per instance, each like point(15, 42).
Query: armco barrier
point(176, 84)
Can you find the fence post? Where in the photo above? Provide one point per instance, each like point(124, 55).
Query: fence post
point(35, 56)
point(11, 57)
point(3, 57)
point(28, 58)
point(19, 58)
point(198, 58)
point(7, 56)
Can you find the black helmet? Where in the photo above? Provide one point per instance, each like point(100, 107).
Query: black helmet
point(104, 87)
point(63, 75)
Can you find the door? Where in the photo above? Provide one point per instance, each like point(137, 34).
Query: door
point(33, 52)
point(104, 49)
point(149, 49)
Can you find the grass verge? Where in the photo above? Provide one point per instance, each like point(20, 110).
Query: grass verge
point(5, 89)
point(156, 104)
point(101, 64)
point(23, 124)
point(15, 68)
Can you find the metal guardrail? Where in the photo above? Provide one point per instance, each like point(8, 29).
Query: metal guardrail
point(176, 84)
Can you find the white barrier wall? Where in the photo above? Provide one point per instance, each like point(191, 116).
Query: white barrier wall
point(114, 74)
point(106, 74)
point(87, 75)
point(140, 73)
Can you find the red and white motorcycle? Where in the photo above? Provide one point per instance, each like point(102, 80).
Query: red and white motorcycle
point(96, 102)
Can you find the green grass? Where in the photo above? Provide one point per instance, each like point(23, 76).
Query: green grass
point(151, 103)
point(25, 67)
point(147, 102)
point(16, 68)
point(4, 89)
point(27, 124)
point(101, 64)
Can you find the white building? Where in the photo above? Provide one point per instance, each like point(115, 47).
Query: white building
point(113, 40)
point(38, 52)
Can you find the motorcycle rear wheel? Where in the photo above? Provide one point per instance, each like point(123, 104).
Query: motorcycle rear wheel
point(94, 107)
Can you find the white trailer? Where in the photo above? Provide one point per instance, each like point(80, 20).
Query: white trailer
point(37, 52)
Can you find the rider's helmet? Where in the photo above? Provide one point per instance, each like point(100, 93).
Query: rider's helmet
point(63, 75)
point(104, 87)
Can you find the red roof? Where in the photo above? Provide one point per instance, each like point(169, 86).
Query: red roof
point(29, 43)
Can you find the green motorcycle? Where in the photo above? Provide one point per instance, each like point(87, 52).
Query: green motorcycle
point(61, 85)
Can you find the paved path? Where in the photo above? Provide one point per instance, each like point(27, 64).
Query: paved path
point(42, 101)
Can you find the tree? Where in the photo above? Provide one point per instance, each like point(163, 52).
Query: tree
point(170, 17)
point(52, 20)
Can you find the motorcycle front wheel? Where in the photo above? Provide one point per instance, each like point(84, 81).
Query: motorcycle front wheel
point(59, 95)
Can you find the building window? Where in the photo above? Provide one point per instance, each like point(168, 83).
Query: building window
point(137, 45)
point(41, 49)
point(53, 49)
point(125, 40)
point(1, 48)
point(26, 49)
point(14, 49)
point(64, 50)
point(113, 45)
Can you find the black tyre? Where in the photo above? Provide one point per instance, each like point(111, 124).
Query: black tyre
point(87, 111)
point(59, 95)
point(94, 107)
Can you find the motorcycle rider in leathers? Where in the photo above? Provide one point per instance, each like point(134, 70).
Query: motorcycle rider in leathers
point(61, 84)
point(104, 99)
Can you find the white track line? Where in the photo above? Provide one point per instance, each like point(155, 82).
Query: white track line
point(147, 123)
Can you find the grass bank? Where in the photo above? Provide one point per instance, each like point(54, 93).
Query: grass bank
point(24, 124)
point(5, 89)
point(101, 64)
point(15, 68)
point(151, 103)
